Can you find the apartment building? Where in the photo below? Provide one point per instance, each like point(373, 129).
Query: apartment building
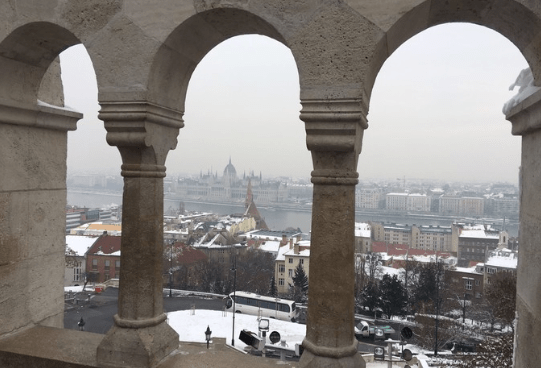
point(408, 202)
point(475, 243)
point(368, 198)
point(289, 257)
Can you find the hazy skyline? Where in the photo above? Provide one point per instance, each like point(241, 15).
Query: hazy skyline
point(435, 112)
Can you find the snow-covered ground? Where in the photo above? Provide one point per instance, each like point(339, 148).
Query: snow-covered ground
point(191, 326)
point(78, 289)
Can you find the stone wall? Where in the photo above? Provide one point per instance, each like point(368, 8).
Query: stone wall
point(143, 54)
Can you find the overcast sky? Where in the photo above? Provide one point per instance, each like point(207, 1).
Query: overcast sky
point(435, 111)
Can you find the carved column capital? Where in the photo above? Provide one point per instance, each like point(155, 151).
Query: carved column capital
point(144, 134)
point(334, 132)
point(334, 125)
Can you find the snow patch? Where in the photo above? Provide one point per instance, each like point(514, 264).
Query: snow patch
point(525, 82)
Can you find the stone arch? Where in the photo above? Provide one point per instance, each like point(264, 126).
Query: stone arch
point(26, 54)
point(188, 43)
point(33, 136)
point(513, 20)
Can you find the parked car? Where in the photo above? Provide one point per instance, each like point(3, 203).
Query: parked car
point(363, 329)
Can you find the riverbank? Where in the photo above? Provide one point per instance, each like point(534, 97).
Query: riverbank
point(280, 216)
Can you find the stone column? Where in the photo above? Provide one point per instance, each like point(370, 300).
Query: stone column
point(526, 120)
point(144, 134)
point(33, 151)
point(334, 135)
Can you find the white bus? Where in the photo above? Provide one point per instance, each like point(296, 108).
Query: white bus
point(262, 306)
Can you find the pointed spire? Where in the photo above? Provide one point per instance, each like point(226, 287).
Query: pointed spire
point(249, 195)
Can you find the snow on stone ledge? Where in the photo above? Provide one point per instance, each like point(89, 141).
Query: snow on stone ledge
point(65, 108)
point(525, 82)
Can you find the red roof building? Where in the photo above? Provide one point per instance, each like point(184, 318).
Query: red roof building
point(103, 259)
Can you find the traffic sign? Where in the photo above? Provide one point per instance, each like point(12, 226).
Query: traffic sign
point(406, 333)
point(274, 337)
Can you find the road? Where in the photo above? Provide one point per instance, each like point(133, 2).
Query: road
point(98, 310)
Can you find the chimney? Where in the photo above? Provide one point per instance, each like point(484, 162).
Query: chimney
point(296, 248)
point(291, 243)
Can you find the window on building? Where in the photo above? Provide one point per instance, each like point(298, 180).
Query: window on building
point(290, 260)
point(94, 264)
point(282, 268)
point(117, 264)
point(281, 282)
point(107, 264)
point(469, 284)
point(477, 283)
point(290, 273)
point(301, 261)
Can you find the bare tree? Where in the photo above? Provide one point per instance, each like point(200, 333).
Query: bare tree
point(426, 334)
point(501, 294)
point(410, 277)
point(496, 351)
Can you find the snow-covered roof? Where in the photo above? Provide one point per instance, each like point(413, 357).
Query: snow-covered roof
point(302, 253)
point(479, 234)
point(281, 253)
point(270, 234)
point(100, 253)
point(503, 261)
point(468, 269)
point(180, 231)
point(271, 246)
point(79, 243)
point(210, 244)
point(362, 230)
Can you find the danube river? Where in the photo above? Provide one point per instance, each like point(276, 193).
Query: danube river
point(280, 219)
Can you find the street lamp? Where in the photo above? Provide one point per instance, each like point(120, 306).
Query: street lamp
point(234, 269)
point(208, 332)
point(171, 269)
point(438, 264)
point(263, 329)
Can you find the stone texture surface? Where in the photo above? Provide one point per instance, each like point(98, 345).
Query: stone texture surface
point(144, 53)
point(131, 347)
point(32, 223)
point(140, 336)
point(528, 333)
point(50, 89)
point(65, 349)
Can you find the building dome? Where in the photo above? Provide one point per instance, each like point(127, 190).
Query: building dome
point(230, 170)
point(230, 175)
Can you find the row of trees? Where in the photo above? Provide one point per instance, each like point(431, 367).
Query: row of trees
point(254, 273)
point(428, 290)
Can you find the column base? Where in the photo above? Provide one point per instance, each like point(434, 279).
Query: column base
point(137, 347)
point(330, 358)
point(309, 360)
